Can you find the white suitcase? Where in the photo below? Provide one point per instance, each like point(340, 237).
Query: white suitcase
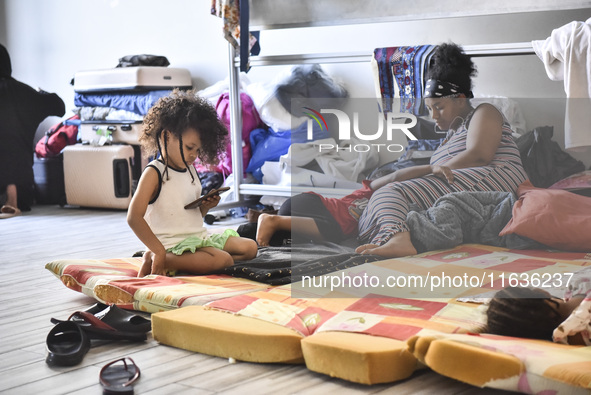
point(107, 132)
point(99, 176)
point(132, 78)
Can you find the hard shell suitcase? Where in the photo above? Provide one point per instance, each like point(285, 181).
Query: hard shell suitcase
point(132, 78)
point(99, 176)
point(108, 132)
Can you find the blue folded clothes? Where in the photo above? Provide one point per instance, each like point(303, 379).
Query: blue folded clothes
point(138, 102)
point(269, 145)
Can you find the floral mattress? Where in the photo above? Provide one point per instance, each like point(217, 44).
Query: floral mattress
point(371, 323)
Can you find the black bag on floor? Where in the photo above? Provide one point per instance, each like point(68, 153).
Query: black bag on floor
point(49, 180)
point(544, 161)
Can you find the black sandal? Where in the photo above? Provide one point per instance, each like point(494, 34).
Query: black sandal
point(67, 344)
point(97, 329)
point(110, 322)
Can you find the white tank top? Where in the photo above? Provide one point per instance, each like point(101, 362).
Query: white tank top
point(166, 214)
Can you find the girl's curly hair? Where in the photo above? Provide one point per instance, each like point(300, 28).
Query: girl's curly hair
point(450, 63)
point(178, 112)
point(523, 312)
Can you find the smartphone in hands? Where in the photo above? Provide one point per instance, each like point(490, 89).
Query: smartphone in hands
point(213, 192)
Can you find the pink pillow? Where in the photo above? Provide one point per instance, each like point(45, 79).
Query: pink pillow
point(579, 183)
point(553, 217)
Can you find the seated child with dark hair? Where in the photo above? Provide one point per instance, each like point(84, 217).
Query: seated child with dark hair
point(535, 314)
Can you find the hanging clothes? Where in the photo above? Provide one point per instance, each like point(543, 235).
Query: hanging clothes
point(234, 22)
point(566, 55)
point(400, 72)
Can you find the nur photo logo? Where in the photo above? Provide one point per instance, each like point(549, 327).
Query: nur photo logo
point(315, 115)
point(350, 129)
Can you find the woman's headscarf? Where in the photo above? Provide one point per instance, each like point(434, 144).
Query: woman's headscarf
point(436, 89)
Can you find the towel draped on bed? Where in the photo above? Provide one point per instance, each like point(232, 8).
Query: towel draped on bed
point(284, 265)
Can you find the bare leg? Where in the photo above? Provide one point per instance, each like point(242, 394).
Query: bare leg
point(398, 246)
point(11, 196)
point(241, 248)
point(268, 224)
point(146, 264)
point(204, 260)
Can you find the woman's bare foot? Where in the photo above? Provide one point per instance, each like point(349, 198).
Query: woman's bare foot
point(146, 264)
point(398, 246)
point(365, 247)
point(267, 225)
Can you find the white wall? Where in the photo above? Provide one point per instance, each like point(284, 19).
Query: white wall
point(2, 25)
point(521, 78)
point(49, 40)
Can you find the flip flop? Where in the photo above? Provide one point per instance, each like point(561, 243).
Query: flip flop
point(97, 329)
point(67, 344)
point(120, 319)
point(119, 378)
point(8, 211)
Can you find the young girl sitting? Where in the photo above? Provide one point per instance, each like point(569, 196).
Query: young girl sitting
point(181, 128)
point(533, 313)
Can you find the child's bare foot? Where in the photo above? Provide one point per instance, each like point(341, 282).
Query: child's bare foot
point(146, 264)
point(266, 228)
point(398, 246)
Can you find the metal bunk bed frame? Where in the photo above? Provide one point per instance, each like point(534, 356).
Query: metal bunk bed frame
point(523, 48)
point(241, 189)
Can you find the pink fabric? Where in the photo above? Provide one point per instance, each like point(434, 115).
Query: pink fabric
point(250, 121)
point(553, 217)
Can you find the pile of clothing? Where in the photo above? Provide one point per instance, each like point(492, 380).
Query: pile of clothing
point(275, 124)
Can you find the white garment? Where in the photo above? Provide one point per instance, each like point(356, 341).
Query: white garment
point(347, 160)
point(567, 56)
point(276, 173)
point(271, 111)
point(213, 92)
point(341, 169)
point(166, 215)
